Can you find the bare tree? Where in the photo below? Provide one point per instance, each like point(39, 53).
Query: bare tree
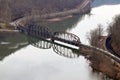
point(95, 35)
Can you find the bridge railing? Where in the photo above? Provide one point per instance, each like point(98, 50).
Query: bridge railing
point(67, 38)
point(44, 33)
point(36, 31)
point(39, 31)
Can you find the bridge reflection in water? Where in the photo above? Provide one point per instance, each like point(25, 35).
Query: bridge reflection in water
point(57, 48)
point(65, 51)
point(65, 37)
point(40, 43)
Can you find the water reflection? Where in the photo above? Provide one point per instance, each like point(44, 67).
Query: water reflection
point(63, 25)
point(65, 51)
point(31, 63)
point(60, 49)
point(37, 42)
point(105, 2)
point(9, 45)
point(11, 42)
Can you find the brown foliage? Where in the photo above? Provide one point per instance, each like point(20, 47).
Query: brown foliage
point(95, 35)
point(14, 9)
point(114, 30)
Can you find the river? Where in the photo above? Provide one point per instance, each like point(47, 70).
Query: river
point(27, 58)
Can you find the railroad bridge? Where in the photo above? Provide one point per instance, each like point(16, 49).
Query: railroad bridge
point(45, 33)
point(46, 39)
point(65, 37)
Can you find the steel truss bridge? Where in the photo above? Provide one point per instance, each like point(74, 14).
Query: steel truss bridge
point(64, 37)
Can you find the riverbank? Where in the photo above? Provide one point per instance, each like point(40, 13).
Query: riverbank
point(59, 19)
point(8, 30)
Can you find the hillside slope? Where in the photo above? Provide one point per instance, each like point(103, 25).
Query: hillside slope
point(13, 9)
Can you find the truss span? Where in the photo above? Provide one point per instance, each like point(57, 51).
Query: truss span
point(67, 38)
point(39, 31)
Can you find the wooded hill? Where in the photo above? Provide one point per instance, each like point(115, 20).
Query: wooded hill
point(14, 9)
point(96, 36)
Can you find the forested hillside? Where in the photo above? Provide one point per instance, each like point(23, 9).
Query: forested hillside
point(96, 36)
point(13, 9)
point(114, 30)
